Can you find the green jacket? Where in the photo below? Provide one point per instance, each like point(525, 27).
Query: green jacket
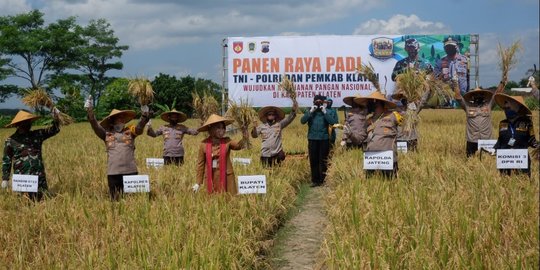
point(318, 124)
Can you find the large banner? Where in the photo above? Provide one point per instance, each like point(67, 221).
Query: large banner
point(326, 65)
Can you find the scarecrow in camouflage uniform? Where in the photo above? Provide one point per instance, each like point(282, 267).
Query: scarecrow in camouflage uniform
point(23, 150)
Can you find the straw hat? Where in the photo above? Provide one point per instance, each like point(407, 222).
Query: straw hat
point(501, 98)
point(22, 116)
point(468, 96)
point(376, 95)
point(280, 114)
point(127, 115)
point(213, 119)
point(181, 116)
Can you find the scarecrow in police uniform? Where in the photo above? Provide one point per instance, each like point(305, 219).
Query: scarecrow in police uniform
point(355, 128)
point(382, 129)
point(516, 131)
point(477, 105)
point(453, 65)
point(22, 150)
point(214, 166)
point(173, 133)
point(273, 122)
point(119, 142)
point(413, 60)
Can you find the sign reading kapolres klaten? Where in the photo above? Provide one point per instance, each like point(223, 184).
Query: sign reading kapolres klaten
point(326, 65)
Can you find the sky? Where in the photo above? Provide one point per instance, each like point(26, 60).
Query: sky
point(181, 37)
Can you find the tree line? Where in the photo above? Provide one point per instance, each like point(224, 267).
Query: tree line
point(76, 61)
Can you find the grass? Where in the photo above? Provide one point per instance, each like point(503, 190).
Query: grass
point(444, 211)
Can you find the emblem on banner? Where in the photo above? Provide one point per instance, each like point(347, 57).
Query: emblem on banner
point(265, 46)
point(251, 47)
point(238, 46)
point(382, 48)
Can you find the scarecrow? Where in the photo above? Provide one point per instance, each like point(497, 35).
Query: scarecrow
point(120, 143)
point(273, 122)
point(173, 133)
point(214, 166)
point(516, 131)
point(354, 130)
point(318, 120)
point(382, 128)
point(23, 150)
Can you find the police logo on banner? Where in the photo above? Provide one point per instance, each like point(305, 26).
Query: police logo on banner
point(382, 48)
point(265, 46)
point(238, 46)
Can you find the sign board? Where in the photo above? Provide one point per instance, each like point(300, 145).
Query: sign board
point(252, 184)
point(24, 183)
point(243, 161)
point(136, 183)
point(486, 144)
point(512, 158)
point(155, 162)
point(379, 160)
point(326, 65)
point(402, 147)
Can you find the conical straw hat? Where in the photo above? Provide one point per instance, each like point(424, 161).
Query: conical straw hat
point(127, 115)
point(501, 98)
point(280, 114)
point(376, 95)
point(469, 95)
point(181, 116)
point(213, 119)
point(22, 116)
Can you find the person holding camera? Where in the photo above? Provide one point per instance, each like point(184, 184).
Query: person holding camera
point(318, 121)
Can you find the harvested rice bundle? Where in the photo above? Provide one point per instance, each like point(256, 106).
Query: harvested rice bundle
point(243, 115)
point(412, 84)
point(38, 98)
point(204, 106)
point(287, 86)
point(508, 59)
point(440, 88)
point(369, 73)
point(141, 89)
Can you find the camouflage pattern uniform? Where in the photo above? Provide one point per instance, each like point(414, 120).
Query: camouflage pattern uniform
point(418, 64)
point(23, 151)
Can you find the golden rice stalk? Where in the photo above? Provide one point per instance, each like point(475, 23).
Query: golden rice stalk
point(287, 86)
point(369, 73)
point(204, 106)
point(141, 89)
point(535, 153)
point(439, 87)
point(410, 120)
point(243, 115)
point(412, 84)
point(37, 98)
point(508, 59)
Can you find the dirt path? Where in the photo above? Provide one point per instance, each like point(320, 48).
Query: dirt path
point(299, 241)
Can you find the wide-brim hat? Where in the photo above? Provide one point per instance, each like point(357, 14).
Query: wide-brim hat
point(127, 115)
point(350, 100)
point(181, 116)
point(22, 116)
point(263, 111)
point(214, 119)
point(468, 96)
point(376, 95)
point(501, 98)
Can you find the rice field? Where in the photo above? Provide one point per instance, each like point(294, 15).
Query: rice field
point(444, 211)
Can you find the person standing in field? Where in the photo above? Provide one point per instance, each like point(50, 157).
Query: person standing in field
point(409, 133)
point(355, 128)
point(477, 105)
point(173, 133)
point(119, 142)
point(22, 150)
point(382, 129)
point(517, 130)
point(318, 120)
point(273, 122)
point(331, 130)
point(214, 166)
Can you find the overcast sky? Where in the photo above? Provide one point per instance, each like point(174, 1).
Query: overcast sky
point(181, 37)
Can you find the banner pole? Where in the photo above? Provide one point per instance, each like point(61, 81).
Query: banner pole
point(224, 97)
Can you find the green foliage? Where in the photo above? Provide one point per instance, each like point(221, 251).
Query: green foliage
point(532, 103)
point(116, 96)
